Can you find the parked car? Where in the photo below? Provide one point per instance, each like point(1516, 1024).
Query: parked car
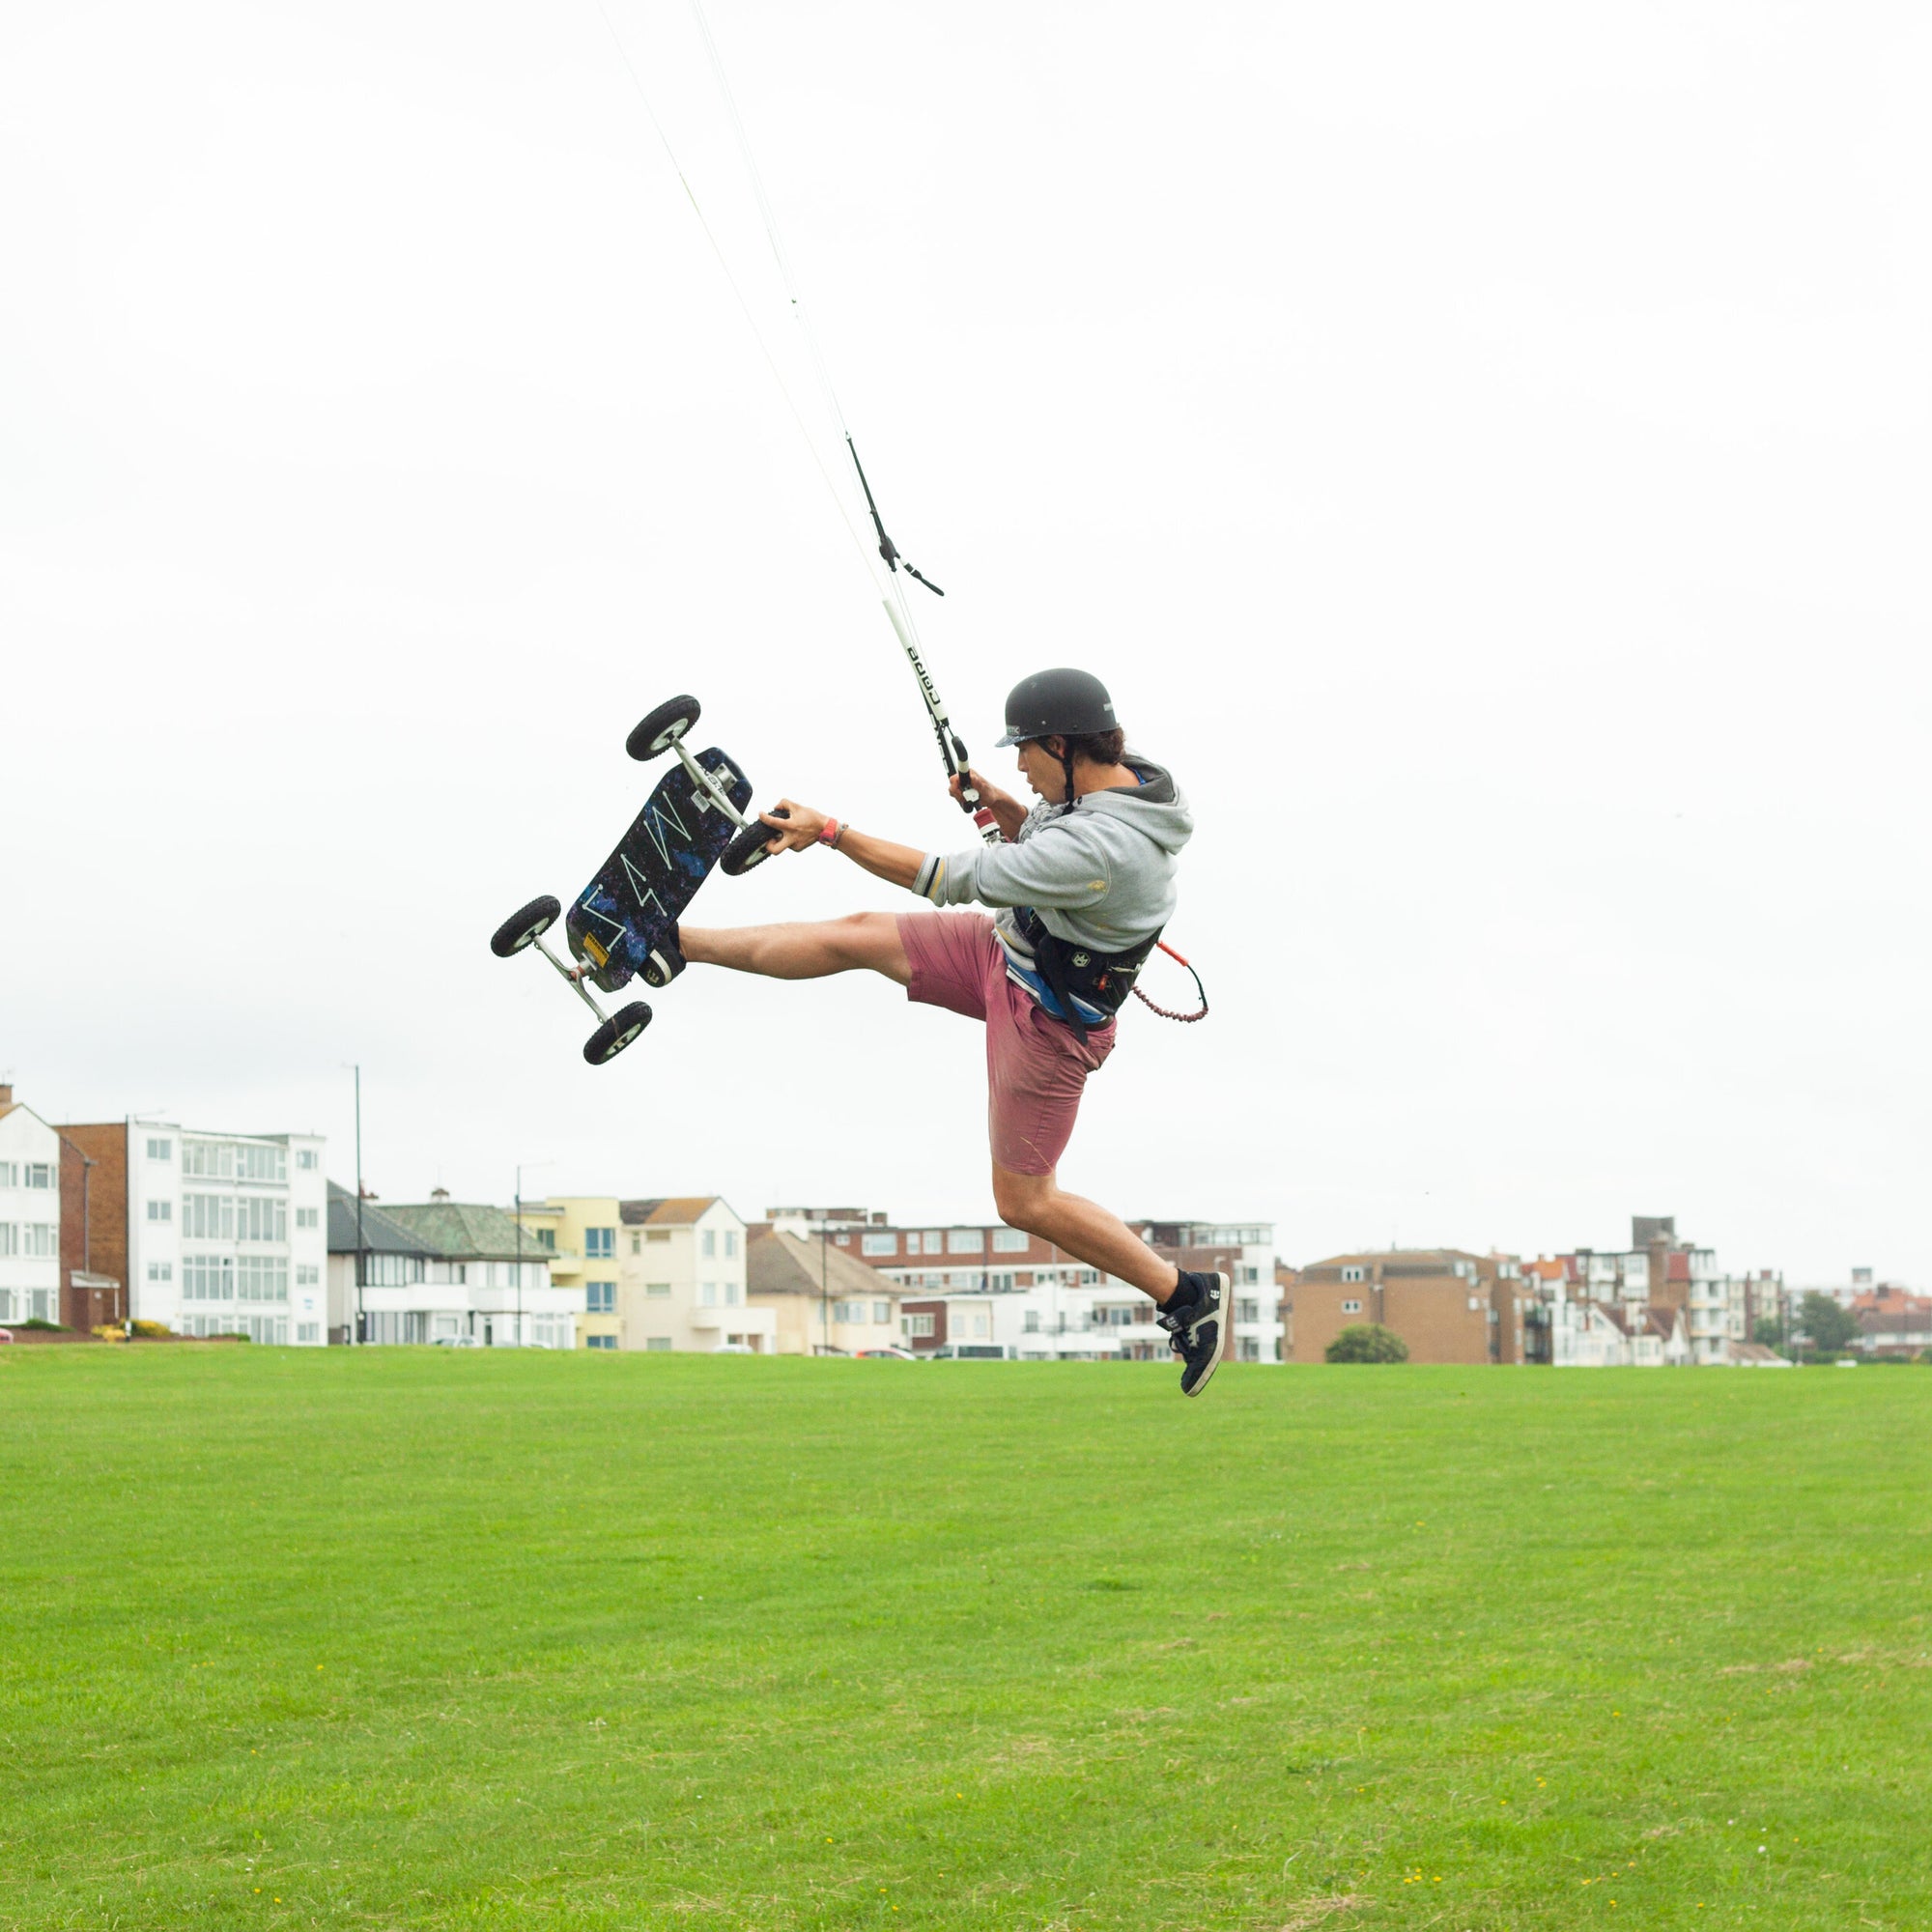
point(969, 1351)
point(886, 1356)
point(462, 1340)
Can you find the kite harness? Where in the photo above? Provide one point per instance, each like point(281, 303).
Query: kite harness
point(1102, 980)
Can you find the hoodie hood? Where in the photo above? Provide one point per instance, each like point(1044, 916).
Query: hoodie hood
point(1156, 808)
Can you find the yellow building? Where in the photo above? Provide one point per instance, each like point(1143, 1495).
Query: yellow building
point(578, 1234)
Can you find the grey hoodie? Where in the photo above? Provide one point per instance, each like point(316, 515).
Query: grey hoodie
point(1101, 874)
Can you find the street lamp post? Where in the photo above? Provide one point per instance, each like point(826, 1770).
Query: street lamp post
point(362, 1253)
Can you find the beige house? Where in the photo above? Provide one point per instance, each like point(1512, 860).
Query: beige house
point(823, 1301)
point(660, 1274)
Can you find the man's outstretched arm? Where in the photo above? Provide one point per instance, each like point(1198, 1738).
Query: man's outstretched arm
point(802, 827)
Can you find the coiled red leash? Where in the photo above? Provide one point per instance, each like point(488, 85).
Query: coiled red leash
point(1167, 1013)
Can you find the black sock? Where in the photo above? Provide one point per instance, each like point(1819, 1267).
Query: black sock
point(1186, 1292)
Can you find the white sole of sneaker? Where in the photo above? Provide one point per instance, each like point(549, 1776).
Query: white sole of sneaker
point(1221, 1327)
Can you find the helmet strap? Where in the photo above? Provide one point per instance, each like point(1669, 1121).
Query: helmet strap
point(1066, 766)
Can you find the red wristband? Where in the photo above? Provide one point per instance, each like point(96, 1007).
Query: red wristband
point(828, 833)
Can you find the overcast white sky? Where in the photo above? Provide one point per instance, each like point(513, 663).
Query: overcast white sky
point(1484, 449)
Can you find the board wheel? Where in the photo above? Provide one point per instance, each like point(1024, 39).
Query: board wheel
point(660, 727)
point(525, 927)
point(616, 1033)
point(748, 849)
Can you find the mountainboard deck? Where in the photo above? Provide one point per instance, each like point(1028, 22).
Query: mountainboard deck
point(644, 887)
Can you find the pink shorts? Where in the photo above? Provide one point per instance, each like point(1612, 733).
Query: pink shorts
point(1036, 1066)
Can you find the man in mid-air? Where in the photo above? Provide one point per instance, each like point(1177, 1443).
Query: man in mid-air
point(1083, 884)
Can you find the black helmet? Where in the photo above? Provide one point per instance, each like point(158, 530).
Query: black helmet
point(1058, 704)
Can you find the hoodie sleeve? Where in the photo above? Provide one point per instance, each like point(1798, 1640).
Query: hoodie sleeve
point(1064, 865)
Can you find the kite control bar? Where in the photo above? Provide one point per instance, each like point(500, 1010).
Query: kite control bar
point(952, 747)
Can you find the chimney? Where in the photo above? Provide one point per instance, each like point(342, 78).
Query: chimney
point(6, 1093)
point(439, 1194)
point(878, 1220)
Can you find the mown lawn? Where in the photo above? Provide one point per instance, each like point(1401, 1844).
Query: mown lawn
point(429, 1638)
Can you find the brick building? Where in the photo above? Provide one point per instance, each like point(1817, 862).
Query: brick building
point(93, 1224)
point(1446, 1304)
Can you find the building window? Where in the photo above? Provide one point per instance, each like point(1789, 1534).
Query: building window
point(849, 1310)
point(600, 1244)
point(308, 1217)
point(600, 1298)
point(308, 1275)
point(1010, 1240)
point(1355, 1272)
point(1244, 1311)
point(882, 1311)
point(710, 1234)
point(164, 1211)
point(610, 1341)
point(311, 1331)
point(38, 1174)
point(658, 1344)
point(659, 1287)
point(916, 1325)
point(979, 1323)
point(38, 1239)
point(636, 1242)
point(1031, 1322)
point(1348, 1307)
point(307, 1159)
point(1250, 1273)
point(10, 1173)
point(883, 1244)
point(10, 1239)
point(1251, 1349)
point(164, 1150)
point(731, 1233)
point(657, 1233)
point(733, 1295)
point(707, 1295)
point(840, 1240)
point(935, 1242)
point(966, 1240)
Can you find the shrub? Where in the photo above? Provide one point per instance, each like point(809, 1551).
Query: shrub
point(111, 1331)
point(54, 1327)
point(1367, 1342)
point(157, 1331)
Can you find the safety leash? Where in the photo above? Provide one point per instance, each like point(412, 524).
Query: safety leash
point(1168, 1012)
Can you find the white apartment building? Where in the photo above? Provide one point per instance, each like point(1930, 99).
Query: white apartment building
point(1106, 1322)
point(30, 1259)
point(226, 1232)
point(991, 1259)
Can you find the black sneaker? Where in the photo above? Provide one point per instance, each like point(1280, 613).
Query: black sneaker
point(1197, 1326)
point(664, 962)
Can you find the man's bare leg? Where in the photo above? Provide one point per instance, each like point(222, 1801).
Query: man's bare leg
point(1085, 1229)
point(861, 941)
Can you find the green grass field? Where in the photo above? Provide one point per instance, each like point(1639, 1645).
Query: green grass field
point(431, 1639)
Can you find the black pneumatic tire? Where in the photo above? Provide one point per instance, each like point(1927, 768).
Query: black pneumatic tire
point(616, 1033)
point(524, 927)
point(660, 727)
point(748, 849)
